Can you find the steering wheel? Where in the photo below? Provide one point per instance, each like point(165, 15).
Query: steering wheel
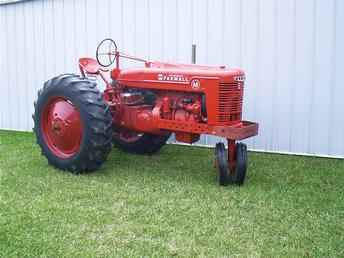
point(106, 52)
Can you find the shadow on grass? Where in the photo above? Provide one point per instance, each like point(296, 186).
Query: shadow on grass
point(173, 163)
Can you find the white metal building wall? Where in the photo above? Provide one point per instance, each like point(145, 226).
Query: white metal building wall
point(292, 51)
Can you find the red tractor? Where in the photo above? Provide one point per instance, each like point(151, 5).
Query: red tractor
point(76, 124)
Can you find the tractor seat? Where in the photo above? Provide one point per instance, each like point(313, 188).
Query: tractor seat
point(89, 65)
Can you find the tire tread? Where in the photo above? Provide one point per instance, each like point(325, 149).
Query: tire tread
point(96, 145)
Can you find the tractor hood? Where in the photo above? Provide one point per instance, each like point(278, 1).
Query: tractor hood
point(178, 73)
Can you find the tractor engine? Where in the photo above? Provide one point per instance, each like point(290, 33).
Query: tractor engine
point(186, 99)
point(136, 111)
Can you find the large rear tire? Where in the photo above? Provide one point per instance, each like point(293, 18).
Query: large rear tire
point(72, 123)
point(144, 143)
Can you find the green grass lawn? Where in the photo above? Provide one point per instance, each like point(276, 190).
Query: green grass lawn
point(168, 204)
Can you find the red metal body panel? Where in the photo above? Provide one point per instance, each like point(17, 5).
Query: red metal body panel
point(175, 77)
point(161, 76)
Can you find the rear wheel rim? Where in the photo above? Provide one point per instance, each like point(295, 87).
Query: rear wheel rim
point(61, 127)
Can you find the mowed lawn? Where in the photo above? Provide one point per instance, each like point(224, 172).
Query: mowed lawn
point(167, 205)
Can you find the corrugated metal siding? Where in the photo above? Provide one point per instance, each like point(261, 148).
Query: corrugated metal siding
point(291, 50)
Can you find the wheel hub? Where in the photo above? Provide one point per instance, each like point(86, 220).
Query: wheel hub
point(62, 128)
point(57, 126)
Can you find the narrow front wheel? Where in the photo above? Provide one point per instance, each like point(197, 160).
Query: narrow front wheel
point(238, 173)
point(222, 164)
point(235, 174)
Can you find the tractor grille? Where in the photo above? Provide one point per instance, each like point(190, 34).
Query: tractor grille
point(230, 101)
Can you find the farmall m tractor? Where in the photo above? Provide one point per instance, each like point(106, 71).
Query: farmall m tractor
point(76, 124)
